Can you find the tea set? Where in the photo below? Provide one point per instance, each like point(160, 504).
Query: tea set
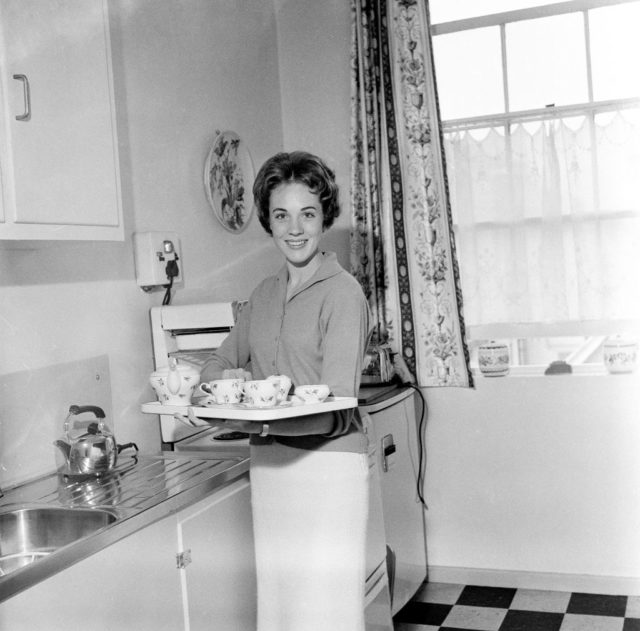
point(179, 383)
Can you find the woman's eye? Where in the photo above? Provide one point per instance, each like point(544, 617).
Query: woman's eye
point(279, 216)
point(310, 215)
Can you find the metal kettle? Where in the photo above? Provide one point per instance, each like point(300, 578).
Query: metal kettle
point(89, 447)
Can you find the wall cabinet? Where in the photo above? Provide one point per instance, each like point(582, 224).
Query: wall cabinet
point(59, 150)
point(137, 583)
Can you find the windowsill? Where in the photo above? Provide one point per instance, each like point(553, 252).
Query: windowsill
point(578, 370)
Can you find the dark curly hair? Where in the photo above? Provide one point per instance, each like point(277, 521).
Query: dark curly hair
point(302, 167)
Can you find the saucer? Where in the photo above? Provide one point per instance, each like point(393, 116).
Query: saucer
point(249, 406)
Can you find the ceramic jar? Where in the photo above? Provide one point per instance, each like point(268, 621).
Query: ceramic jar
point(620, 354)
point(175, 384)
point(493, 359)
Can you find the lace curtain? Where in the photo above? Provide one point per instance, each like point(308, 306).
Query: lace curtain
point(402, 243)
point(547, 222)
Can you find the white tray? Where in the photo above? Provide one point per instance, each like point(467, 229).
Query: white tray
point(236, 411)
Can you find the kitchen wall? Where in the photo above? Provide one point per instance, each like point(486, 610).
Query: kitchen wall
point(531, 480)
point(535, 481)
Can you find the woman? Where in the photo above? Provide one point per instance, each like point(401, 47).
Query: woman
point(309, 475)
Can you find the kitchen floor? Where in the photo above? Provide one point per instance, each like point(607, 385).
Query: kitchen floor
point(448, 607)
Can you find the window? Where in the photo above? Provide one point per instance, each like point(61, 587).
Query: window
point(541, 123)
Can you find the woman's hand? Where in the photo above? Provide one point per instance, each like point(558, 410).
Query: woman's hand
point(249, 427)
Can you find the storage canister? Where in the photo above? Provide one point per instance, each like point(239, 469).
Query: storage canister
point(620, 354)
point(493, 359)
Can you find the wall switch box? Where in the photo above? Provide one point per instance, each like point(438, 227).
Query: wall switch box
point(152, 252)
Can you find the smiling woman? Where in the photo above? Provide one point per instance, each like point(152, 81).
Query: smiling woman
point(309, 474)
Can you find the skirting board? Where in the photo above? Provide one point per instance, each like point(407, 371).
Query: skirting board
point(592, 584)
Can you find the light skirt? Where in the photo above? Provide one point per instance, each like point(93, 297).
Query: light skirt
point(310, 517)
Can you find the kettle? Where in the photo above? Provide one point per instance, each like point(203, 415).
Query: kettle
point(89, 447)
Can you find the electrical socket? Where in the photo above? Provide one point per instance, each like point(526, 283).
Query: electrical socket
point(152, 251)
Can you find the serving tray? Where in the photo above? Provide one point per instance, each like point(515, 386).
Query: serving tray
point(236, 411)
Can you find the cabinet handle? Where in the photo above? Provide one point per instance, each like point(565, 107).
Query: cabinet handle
point(27, 97)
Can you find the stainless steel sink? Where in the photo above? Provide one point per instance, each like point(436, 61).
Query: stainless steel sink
point(27, 534)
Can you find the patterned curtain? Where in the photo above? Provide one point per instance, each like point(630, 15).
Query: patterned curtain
point(402, 248)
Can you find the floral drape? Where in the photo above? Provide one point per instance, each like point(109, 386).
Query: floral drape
point(402, 248)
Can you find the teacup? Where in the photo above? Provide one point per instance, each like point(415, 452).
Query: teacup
point(221, 391)
point(261, 392)
point(312, 393)
point(284, 385)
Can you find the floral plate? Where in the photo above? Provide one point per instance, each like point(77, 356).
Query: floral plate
point(228, 181)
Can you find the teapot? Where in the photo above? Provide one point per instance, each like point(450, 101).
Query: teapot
point(175, 384)
point(89, 447)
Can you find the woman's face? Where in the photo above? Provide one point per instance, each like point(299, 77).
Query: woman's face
point(295, 218)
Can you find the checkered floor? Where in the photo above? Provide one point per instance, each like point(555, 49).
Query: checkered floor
point(447, 607)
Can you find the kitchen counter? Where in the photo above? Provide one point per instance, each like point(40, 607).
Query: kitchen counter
point(141, 490)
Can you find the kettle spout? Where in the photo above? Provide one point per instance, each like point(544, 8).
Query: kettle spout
point(64, 447)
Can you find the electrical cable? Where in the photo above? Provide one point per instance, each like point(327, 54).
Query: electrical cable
point(172, 271)
point(422, 454)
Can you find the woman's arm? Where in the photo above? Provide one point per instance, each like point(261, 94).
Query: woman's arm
point(233, 354)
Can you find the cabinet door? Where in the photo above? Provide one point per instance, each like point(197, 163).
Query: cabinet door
point(219, 582)
point(60, 171)
point(133, 584)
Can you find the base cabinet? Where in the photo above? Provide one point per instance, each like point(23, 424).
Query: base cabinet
point(219, 577)
point(137, 584)
point(129, 585)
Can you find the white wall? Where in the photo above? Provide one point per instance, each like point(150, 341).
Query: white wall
point(536, 481)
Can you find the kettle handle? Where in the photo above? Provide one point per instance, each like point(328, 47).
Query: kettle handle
point(127, 446)
point(79, 409)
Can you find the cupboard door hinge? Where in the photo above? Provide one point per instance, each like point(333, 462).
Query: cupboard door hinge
point(183, 559)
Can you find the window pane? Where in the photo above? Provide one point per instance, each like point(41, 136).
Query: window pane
point(546, 62)
point(469, 73)
point(618, 143)
point(615, 51)
point(447, 10)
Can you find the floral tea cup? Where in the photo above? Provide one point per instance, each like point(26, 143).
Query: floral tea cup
point(261, 392)
point(284, 385)
point(220, 391)
point(312, 393)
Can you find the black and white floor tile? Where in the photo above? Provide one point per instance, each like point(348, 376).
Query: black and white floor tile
point(448, 607)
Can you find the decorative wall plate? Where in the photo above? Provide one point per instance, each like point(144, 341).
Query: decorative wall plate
point(228, 181)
